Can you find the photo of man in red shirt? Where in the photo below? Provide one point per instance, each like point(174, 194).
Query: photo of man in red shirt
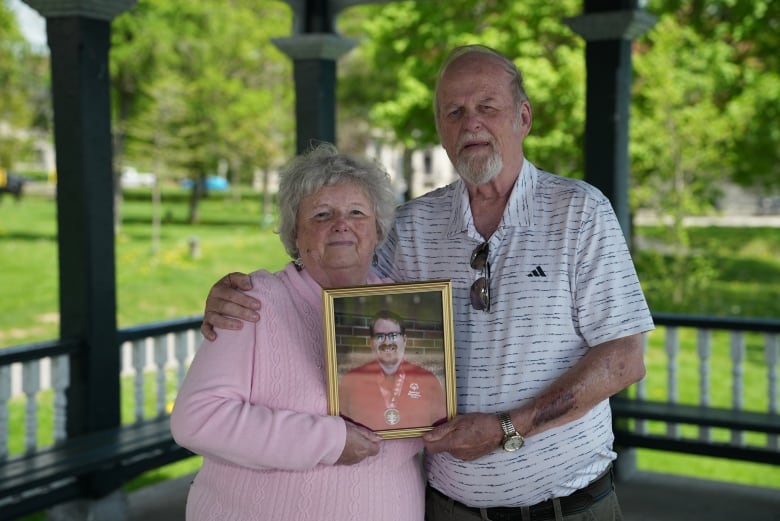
point(390, 392)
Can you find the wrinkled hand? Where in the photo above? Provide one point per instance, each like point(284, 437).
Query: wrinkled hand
point(466, 436)
point(226, 303)
point(361, 444)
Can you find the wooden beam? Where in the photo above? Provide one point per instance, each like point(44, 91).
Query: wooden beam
point(609, 27)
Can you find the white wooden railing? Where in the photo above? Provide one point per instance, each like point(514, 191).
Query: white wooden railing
point(34, 378)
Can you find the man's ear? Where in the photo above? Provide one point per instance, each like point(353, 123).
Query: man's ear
point(526, 117)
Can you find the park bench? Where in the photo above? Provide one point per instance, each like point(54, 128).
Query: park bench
point(86, 466)
point(627, 411)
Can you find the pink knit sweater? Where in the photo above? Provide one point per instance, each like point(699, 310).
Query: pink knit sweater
point(254, 404)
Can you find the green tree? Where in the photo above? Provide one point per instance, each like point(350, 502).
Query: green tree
point(704, 112)
point(680, 139)
point(747, 78)
point(140, 42)
point(24, 104)
point(405, 43)
point(205, 86)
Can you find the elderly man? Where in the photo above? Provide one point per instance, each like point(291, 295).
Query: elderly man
point(548, 311)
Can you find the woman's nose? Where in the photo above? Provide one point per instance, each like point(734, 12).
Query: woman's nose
point(340, 223)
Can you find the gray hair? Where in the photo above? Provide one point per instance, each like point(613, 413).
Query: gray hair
point(322, 166)
point(516, 83)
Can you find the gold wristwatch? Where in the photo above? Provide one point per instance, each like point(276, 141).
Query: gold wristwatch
point(512, 439)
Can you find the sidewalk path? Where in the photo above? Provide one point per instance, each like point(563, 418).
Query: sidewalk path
point(731, 220)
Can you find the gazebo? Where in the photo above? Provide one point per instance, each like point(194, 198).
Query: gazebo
point(79, 40)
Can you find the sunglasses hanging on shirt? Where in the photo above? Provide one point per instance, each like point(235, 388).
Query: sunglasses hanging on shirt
point(480, 290)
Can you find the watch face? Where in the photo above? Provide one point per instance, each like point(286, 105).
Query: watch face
point(513, 443)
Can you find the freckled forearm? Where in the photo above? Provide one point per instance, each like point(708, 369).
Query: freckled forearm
point(604, 371)
point(554, 408)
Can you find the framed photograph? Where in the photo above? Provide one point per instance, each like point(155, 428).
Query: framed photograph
point(390, 356)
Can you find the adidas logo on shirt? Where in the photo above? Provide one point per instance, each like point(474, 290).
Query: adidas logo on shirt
point(537, 272)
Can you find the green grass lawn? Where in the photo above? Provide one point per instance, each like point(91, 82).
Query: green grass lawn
point(150, 287)
point(163, 280)
point(743, 278)
point(729, 272)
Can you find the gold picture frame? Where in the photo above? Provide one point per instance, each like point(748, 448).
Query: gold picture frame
point(387, 380)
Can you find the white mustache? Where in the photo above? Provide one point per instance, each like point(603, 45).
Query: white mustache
point(471, 137)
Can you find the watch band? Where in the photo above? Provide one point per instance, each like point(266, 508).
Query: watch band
point(506, 424)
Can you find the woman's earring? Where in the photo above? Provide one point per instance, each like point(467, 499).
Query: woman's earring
point(298, 264)
point(375, 260)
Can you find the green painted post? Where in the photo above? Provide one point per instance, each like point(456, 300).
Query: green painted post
point(609, 27)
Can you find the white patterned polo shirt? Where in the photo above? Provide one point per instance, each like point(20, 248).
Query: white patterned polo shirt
point(561, 280)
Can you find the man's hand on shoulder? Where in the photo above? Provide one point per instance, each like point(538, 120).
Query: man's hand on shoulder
point(226, 304)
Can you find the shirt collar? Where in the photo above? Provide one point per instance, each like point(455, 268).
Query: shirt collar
point(518, 212)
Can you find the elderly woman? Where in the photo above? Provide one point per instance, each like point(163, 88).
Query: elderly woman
point(257, 411)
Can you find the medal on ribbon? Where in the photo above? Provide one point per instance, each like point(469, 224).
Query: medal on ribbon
point(392, 414)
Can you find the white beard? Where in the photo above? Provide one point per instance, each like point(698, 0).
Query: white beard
point(478, 171)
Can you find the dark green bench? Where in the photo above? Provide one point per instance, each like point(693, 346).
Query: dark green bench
point(627, 435)
point(88, 466)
